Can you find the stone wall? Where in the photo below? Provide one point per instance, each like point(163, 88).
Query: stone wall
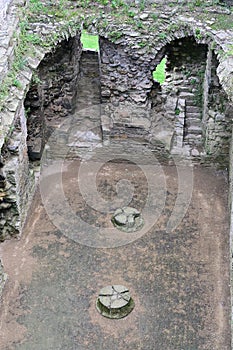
point(124, 91)
point(16, 184)
point(9, 29)
point(218, 119)
point(48, 101)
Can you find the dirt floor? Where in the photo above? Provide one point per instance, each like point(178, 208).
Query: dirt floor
point(179, 279)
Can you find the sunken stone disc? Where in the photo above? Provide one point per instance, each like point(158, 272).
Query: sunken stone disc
point(114, 302)
point(127, 219)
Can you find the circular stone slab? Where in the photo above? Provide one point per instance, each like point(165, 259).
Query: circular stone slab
point(114, 302)
point(127, 219)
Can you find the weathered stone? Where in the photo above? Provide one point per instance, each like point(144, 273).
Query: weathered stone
point(3, 278)
point(114, 302)
point(5, 205)
point(120, 219)
point(127, 219)
point(144, 16)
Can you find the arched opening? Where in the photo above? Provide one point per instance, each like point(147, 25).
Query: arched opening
point(67, 82)
point(192, 101)
point(179, 97)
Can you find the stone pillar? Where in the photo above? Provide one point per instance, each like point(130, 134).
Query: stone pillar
point(4, 4)
point(218, 118)
point(3, 278)
point(18, 181)
point(206, 84)
point(230, 193)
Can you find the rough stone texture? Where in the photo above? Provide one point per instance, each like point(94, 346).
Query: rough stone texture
point(17, 184)
point(218, 123)
point(3, 278)
point(171, 119)
point(52, 99)
point(114, 302)
point(127, 219)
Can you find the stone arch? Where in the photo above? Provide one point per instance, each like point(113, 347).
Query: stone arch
point(52, 93)
point(182, 93)
point(131, 114)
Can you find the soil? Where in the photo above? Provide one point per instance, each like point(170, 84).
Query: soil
point(179, 279)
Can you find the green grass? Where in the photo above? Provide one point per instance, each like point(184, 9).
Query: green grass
point(159, 73)
point(90, 41)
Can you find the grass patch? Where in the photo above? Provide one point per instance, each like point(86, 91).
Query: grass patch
point(223, 21)
point(159, 73)
point(90, 41)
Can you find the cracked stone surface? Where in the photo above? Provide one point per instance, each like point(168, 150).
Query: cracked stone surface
point(128, 219)
point(114, 301)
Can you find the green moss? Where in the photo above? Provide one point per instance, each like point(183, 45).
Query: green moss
point(115, 35)
point(223, 21)
point(230, 50)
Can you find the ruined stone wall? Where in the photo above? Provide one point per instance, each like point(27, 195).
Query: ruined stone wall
point(218, 119)
point(48, 101)
point(124, 91)
point(183, 89)
point(180, 126)
point(16, 178)
point(16, 184)
point(9, 29)
point(52, 96)
point(164, 118)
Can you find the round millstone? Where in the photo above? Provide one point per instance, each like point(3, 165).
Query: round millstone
point(114, 302)
point(127, 219)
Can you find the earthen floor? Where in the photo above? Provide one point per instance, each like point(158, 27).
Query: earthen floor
point(178, 279)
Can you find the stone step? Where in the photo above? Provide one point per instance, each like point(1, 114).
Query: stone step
point(192, 109)
point(88, 87)
point(185, 89)
point(196, 139)
point(193, 143)
point(90, 65)
point(87, 71)
point(193, 115)
point(94, 88)
point(190, 102)
point(193, 130)
point(90, 54)
point(189, 125)
point(193, 120)
point(187, 95)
